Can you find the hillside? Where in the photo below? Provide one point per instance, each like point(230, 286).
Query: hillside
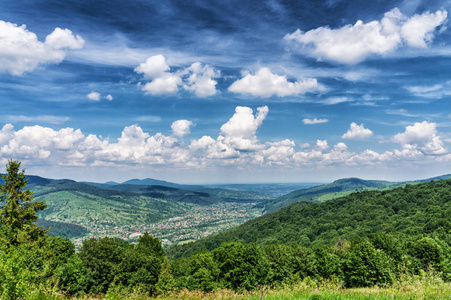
point(150, 181)
point(321, 193)
point(78, 210)
point(409, 210)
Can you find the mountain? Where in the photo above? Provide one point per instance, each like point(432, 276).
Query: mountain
point(78, 210)
point(150, 181)
point(409, 210)
point(273, 190)
point(201, 196)
point(447, 176)
point(101, 185)
point(323, 192)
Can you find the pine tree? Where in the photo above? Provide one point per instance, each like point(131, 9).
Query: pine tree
point(166, 282)
point(18, 213)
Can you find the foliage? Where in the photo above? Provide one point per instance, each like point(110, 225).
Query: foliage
point(166, 282)
point(242, 266)
point(203, 272)
point(18, 214)
point(406, 211)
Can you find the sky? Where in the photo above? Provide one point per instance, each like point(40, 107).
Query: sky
point(226, 91)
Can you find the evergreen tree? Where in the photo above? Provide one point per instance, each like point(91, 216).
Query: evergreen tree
point(18, 213)
point(166, 282)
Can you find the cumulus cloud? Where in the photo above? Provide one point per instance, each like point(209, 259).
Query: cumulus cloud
point(236, 145)
point(21, 51)
point(153, 67)
point(421, 137)
point(181, 128)
point(109, 97)
point(197, 78)
point(265, 84)
point(357, 132)
point(314, 121)
point(94, 96)
point(352, 44)
point(200, 81)
point(239, 132)
point(166, 84)
point(322, 144)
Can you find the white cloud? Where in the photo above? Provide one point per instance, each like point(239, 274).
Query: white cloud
point(352, 44)
point(357, 132)
point(436, 91)
point(337, 100)
point(200, 80)
point(181, 128)
point(40, 118)
point(196, 78)
point(21, 51)
point(322, 144)
point(94, 96)
point(266, 84)
point(314, 121)
point(167, 84)
point(109, 97)
point(279, 153)
point(154, 67)
point(239, 132)
point(421, 137)
point(418, 30)
point(236, 146)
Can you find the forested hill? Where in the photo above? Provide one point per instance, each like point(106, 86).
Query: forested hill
point(321, 193)
point(409, 210)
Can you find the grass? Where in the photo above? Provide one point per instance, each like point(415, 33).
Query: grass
point(410, 288)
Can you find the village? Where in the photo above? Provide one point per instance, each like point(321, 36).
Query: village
point(197, 223)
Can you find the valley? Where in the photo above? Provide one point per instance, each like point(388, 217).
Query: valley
point(176, 214)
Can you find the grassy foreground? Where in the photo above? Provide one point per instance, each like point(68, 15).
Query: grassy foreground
point(425, 287)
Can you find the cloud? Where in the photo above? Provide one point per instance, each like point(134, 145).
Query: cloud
point(237, 145)
point(421, 137)
point(239, 132)
point(40, 118)
point(357, 132)
point(154, 67)
point(167, 84)
point(314, 121)
point(266, 84)
point(200, 80)
point(148, 119)
point(352, 44)
point(94, 96)
point(436, 91)
point(109, 97)
point(336, 100)
point(21, 51)
point(181, 128)
point(323, 145)
point(196, 78)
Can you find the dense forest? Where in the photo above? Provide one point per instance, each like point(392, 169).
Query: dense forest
point(407, 211)
point(362, 240)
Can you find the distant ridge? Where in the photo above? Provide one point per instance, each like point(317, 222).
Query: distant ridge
point(150, 181)
point(320, 193)
point(441, 177)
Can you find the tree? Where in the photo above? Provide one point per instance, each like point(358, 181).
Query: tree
point(150, 246)
point(18, 214)
point(166, 282)
point(101, 258)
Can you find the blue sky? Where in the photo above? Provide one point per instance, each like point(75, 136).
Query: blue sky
point(226, 91)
